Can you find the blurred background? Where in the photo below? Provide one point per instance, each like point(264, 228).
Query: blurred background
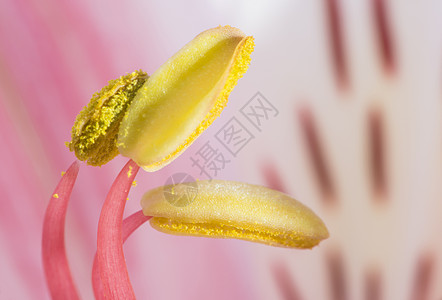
point(355, 134)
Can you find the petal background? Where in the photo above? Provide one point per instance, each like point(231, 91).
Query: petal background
point(358, 139)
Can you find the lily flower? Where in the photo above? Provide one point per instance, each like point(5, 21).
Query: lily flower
point(152, 120)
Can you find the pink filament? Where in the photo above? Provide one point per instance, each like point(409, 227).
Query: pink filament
point(130, 224)
point(55, 263)
point(110, 256)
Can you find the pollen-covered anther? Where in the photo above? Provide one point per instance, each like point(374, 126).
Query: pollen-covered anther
point(184, 96)
point(95, 132)
point(225, 209)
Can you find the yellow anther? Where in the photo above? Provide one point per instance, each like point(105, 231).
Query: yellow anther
point(223, 209)
point(183, 97)
point(94, 134)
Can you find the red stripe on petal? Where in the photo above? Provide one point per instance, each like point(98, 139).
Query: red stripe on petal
point(423, 277)
point(285, 283)
point(272, 178)
point(377, 140)
point(55, 263)
point(334, 19)
point(373, 285)
point(384, 34)
point(317, 154)
point(130, 224)
point(110, 255)
point(337, 276)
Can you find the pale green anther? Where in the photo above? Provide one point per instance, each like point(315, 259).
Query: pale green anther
point(95, 132)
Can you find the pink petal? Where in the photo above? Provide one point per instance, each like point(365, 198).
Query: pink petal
point(111, 262)
point(55, 263)
point(130, 224)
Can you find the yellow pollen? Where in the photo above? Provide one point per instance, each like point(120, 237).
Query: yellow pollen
point(227, 209)
point(95, 132)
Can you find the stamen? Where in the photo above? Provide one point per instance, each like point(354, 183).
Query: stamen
point(110, 255)
point(130, 224)
point(228, 209)
point(95, 132)
point(55, 263)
